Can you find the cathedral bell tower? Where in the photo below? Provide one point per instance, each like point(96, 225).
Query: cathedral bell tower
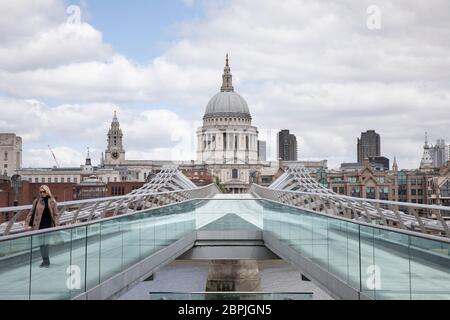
point(115, 153)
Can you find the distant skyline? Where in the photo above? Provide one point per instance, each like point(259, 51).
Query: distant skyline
point(313, 67)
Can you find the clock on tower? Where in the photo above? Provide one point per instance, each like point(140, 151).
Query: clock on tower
point(115, 153)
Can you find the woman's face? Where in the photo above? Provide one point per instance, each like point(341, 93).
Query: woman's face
point(43, 193)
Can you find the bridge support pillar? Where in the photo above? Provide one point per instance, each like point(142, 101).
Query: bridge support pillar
point(233, 275)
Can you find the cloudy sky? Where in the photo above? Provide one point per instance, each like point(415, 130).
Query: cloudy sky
point(311, 66)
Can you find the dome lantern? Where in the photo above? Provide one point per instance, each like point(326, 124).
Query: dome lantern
point(227, 103)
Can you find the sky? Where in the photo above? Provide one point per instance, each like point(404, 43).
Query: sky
point(326, 70)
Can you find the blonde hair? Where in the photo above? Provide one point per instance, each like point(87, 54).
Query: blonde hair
point(47, 190)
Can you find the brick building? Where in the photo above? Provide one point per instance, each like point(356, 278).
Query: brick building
point(415, 186)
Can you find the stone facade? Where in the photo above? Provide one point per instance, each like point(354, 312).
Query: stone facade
point(115, 153)
point(439, 187)
point(227, 152)
point(227, 143)
point(233, 275)
point(415, 186)
point(10, 154)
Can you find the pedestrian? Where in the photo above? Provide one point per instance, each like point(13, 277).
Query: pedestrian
point(43, 215)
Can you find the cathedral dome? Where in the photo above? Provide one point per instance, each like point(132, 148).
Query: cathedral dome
point(227, 103)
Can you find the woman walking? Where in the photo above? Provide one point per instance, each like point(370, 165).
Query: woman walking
point(43, 215)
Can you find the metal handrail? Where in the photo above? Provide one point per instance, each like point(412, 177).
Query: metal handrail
point(362, 208)
point(73, 212)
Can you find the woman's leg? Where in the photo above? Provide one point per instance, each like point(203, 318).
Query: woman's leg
point(44, 254)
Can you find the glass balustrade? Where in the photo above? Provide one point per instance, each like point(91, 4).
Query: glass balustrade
point(381, 263)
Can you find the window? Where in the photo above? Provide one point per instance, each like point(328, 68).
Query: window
point(384, 193)
point(6, 156)
point(117, 191)
point(246, 143)
point(402, 178)
point(266, 179)
point(49, 180)
point(224, 140)
point(370, 192)
point(6, 166)
point(235, 142)
point(68, 180)
point(62, 180)
point(234, 174)
point(352, 179)
point(445, 189)
point(43, 180)
point(355, 192)
point(413, 192)
point(56, 180)
point(36, 180)
point(75, 180)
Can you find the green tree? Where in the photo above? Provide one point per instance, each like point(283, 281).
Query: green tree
point(220, 186)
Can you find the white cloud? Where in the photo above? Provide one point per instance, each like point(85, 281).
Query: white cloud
point(21, 20)
point(66, 43)
point(43, 158)
point(314, 63)
point(117, 79)
point(70, 129)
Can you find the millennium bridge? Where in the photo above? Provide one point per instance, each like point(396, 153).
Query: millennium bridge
point(352, 248)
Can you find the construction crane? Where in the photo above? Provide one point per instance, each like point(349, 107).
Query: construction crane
point(54, 157)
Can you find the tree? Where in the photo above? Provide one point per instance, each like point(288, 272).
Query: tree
point(220, 186)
